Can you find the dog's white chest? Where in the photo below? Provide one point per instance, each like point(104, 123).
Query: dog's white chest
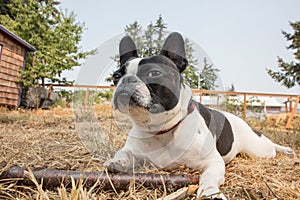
point(188, 143)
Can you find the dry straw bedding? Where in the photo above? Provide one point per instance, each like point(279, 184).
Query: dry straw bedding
point(49, 138)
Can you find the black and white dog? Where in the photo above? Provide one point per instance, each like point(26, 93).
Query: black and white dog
point(169, 128)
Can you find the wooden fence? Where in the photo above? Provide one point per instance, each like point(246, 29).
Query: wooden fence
point(291, 104)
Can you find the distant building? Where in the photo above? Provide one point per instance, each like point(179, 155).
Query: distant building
point(267, 105)
point(13, 51)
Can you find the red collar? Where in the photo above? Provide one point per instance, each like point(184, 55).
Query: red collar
point(190, 109)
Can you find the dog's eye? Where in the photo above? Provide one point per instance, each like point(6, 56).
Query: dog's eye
point(154, 73)
point(116, 77)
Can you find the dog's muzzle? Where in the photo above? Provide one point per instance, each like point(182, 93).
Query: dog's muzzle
point(131, 92)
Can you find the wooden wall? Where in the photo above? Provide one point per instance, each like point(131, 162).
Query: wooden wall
point(11, 61)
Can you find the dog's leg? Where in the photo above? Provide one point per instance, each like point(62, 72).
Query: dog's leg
point(212, 176)
point(283, 149)
point(261, 146)
point(123, 161)
point(254, 143)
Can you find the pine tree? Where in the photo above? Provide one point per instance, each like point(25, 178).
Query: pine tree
point(135, 31)
point(150, 41)
point(231, 88)
point(208, 76)
point(160, 31)
point(191, 74)
point(289, 72)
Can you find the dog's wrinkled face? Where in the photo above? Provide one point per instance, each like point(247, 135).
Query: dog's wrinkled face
point(149, 84)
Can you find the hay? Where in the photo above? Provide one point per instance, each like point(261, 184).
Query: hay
point(48, 138)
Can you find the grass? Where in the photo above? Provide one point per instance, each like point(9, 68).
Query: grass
point(48, 138)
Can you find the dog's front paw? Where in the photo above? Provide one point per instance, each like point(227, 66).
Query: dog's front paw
point(117, 165)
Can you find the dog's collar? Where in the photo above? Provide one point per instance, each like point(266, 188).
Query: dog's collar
point(190, 109)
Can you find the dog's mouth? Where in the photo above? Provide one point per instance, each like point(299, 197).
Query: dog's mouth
point(126, 102)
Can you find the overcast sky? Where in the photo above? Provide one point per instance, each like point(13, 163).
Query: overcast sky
point(241, 37)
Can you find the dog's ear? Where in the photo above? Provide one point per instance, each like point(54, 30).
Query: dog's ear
point(127, 49)
point(174, 49)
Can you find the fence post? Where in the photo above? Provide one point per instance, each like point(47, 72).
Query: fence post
point(50, 89)
point(86, 97)
point(200, 95)
point(292, 112)
point(245, 105)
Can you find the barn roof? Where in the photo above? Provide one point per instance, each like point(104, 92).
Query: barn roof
point(18, 39)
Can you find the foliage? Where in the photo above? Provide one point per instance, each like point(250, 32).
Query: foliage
point(256, 109)
point(104, 95)
point(4, 8)
point(65, 98)
point(289, 72)
point(54, 34)
point(234, 105)
point(90, 97)
point(232, 88)
point(66, 94)
point(80, 97)
point(190, 74)
point(150, 41)
point(208, 76)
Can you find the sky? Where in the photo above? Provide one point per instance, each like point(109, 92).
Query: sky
point(241, 37)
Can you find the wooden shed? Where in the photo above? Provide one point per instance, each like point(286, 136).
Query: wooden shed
point(13, 51)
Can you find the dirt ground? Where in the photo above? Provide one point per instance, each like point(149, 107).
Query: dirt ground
point(50, 138)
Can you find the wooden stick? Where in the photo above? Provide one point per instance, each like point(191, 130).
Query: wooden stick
point(54, 178)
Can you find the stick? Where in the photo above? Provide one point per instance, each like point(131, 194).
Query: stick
point(54, 178)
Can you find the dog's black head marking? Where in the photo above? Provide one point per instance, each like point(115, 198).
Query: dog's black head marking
point(173, 49)
point(159, 73)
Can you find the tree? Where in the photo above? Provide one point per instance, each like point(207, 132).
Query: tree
point(150, 41)
point(190, 74)
point(231, 88)
point(54, 34)
point(4, 10)
point(208, 76)
point(289, 72)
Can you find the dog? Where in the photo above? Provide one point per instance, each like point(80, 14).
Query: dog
point(169, 128)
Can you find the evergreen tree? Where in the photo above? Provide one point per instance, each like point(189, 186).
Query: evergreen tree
point(150, 41)
point(289, 72)
point(208, 76)
point(135, 31)
point(53, 33)
point(160, 31)
point(231, 89)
